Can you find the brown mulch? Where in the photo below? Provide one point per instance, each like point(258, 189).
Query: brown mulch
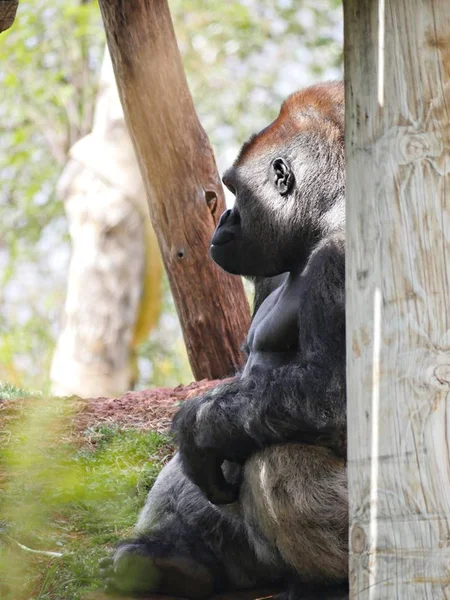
point(148, 409)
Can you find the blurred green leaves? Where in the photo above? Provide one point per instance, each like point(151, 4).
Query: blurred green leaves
point(50, 61)
point(65, 491)
point(243, 58)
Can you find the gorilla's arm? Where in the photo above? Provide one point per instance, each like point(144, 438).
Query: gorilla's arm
point(303, 401)
point(248, 414)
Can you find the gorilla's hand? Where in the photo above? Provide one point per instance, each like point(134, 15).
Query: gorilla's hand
point(208, 436)
point(290, 403)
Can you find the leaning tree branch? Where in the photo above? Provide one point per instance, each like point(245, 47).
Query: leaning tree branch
point(183, 188)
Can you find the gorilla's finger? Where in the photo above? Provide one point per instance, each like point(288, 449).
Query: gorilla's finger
point(219, 491)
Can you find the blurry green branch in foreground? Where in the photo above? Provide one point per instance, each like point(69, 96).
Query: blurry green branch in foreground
point(67, 494)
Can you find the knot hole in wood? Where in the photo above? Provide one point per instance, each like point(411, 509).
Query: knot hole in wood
point(211, 201)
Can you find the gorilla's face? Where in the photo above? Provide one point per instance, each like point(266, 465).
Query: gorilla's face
point(289, 187)
point(256, 236)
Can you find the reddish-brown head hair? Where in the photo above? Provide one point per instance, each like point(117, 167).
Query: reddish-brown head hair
point(318, 109)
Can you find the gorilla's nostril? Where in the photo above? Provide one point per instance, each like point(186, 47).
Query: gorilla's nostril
point(224, 218)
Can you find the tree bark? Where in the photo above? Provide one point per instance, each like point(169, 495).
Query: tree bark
point(183, 189)
point(114, 282)
point(397, 62)
point(8, 9)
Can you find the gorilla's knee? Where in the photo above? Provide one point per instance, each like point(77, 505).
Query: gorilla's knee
point(296, 497)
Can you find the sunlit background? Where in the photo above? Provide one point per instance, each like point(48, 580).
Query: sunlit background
point(242, 59)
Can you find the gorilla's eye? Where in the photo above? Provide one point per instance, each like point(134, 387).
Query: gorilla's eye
point(283, 178)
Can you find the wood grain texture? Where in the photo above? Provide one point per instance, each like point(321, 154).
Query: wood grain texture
point(8, 9)
point(183, 188)
point(397, 66)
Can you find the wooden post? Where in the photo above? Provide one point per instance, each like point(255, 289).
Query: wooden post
point(183, 188)
point(8, 9)
point(397, 69)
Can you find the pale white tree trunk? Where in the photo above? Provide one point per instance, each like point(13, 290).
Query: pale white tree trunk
point(397, 63)
point(111, 237)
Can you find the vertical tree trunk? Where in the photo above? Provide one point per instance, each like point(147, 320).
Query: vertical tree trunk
point(397, 61)
point(179, 171)
point(8, 9)
point(114, 262)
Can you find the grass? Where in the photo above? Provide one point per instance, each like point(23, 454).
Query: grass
point(65, 500)
point(10, 392)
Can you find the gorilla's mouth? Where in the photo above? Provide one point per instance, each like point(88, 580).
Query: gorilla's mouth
point(222, 256)
point(223, 237)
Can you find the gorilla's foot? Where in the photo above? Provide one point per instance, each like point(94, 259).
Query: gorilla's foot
point(133, 570)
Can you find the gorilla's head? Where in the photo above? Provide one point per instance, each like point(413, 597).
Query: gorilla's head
point(289, 183)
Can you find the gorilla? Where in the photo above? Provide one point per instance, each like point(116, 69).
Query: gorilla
point(257, 493)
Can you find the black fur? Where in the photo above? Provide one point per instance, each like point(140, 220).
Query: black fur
point(286, 232)
point(303, 400)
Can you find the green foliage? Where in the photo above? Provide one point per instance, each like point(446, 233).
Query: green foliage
point(50, 57)
point(243, 58)
point(11, 392)
point(66, 494)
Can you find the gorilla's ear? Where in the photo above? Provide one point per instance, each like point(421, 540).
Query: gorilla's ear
point(283, 177)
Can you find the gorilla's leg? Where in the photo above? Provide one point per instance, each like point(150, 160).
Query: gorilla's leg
point(186, 546)
point(166, 556)
point(164, 562)
point(290, 524)
point(294, 498)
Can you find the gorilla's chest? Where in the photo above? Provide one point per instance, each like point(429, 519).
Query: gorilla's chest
point(275, 326)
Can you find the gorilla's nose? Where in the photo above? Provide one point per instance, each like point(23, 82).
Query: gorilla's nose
point(224, 218)
point(226, 228)
point(230, 217)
